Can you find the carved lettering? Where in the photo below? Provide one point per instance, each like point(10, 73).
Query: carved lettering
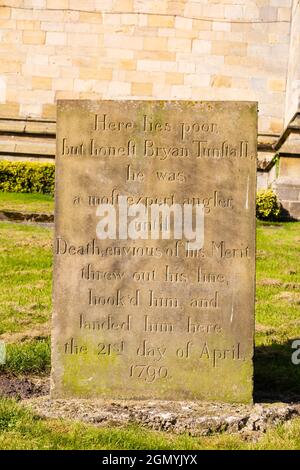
point(136, 312)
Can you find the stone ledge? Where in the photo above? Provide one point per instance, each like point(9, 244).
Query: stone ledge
point(291, 209)
point(27, 126)
point(11, 145)
point(194, 418)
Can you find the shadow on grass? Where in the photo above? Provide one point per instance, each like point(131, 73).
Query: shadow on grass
point(276, 378)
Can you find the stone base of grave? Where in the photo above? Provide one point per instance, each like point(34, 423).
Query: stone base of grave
point(194, 418)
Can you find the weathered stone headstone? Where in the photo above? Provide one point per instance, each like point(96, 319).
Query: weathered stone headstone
point(138, 316)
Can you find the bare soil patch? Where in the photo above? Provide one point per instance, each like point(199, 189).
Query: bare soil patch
point(23, 387)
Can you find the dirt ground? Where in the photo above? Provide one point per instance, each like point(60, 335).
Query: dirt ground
point(23, 387)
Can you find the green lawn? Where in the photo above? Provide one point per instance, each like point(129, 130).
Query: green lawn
point(27, 202)
point(277, 308)
point(25, 306)
point(25, 277)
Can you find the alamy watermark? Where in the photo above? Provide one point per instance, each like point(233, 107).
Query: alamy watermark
point(296, 353)
point(157, 221)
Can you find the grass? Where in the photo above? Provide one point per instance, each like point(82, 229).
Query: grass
point(29, 357)
point(25, 277)
point(21, 429)
point(277, 307)
point(26, 202)
point(25, 306)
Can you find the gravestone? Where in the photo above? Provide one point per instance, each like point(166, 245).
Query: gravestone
point(142, 311)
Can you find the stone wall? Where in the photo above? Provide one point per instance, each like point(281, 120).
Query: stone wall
point(293, 81)
point(199, 50)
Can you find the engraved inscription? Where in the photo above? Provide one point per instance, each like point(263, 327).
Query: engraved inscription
point(154, 316)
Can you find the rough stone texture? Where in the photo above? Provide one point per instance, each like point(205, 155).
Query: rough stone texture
point(147, 318)
point(195, 419)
